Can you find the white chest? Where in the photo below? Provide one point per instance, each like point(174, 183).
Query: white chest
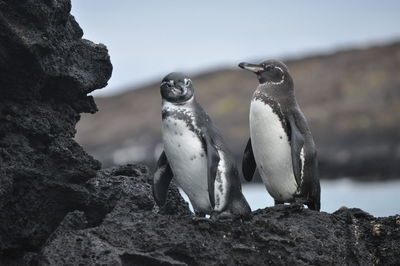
point(186, 157)
point(272, 151)
point(188, 160)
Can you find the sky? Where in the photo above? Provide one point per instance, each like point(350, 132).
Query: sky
point(149, 39)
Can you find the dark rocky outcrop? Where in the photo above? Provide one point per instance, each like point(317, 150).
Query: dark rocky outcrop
point(46, 71)
point(135, 232)
point(58, 208)
point(120, 225)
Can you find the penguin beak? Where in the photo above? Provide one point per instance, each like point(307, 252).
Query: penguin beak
point(179, 89)
point(251, 67)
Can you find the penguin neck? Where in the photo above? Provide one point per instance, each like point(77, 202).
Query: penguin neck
point(278, 92)
point(186, 104)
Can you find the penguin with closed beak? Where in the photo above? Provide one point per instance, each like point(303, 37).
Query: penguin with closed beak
point(281, 145)
point(195, 155)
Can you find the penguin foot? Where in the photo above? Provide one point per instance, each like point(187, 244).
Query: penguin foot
point(224, 217)
point(300, 198)
point(199, 214)
point(197, 219)
point(297, 205)
point(200, 217)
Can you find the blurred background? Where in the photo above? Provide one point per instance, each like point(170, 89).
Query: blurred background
point(344, 57)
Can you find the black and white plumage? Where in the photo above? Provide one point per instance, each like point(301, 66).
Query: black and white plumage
point(195, 155)
point(280, 145)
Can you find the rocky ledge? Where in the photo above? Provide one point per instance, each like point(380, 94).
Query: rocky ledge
point(120, 225)
point(58, 208)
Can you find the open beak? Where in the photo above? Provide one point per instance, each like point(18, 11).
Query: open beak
point(251, 67)
point(179, 89)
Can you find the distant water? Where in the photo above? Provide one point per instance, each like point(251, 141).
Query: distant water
point(377, 198)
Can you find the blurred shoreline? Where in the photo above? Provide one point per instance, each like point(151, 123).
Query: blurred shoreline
point(351, 99)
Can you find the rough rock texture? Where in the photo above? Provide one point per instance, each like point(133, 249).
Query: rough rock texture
point(58, 208)
point(119, 224)
point(134, 233)
point(46, 71)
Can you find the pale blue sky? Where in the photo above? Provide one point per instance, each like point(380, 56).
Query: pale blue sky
point(149, 39)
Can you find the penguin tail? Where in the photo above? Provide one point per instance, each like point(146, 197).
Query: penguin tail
point(240, 207)
point(314, 205)
point(314, 196)
point(314, 202)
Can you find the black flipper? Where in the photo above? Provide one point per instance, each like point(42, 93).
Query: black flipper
point(162, 178)
point(212, 164)
point(314, 202)
point(248, 162)
point(296, 143)
point(311, 187)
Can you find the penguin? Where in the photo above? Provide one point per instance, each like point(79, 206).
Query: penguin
point(280, 145)
point(195, 155)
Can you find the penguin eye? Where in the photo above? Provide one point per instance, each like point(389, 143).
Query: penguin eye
point(280, 70)
point(187, 82)
point(165, 84)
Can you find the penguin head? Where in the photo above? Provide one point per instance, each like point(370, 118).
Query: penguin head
point(176, 88)
point(269, 71)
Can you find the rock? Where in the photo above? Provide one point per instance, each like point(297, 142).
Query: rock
point(46, 71)
point(58, 208)
point(134, 232)
point(124, 202)
point(43, 54)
